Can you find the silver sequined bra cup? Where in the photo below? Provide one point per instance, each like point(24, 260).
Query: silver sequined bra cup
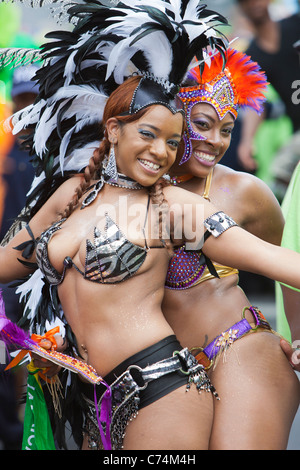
point(110, 257)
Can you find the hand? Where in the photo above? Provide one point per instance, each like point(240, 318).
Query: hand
point(41, 363)
point(293, 355)
point(245, 157)
point(49, 368)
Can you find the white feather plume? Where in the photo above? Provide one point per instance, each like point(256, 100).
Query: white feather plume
point(79, 158)
point(70, 66)
point(155, 45)
point(25, 117)
point(86, 103)
point(33, 285)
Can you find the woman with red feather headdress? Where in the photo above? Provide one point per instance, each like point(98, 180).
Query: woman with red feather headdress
point(203, 303)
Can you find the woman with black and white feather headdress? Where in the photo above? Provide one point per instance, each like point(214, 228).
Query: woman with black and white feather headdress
point(153, 43)
point(106, 128)
point(83, 66)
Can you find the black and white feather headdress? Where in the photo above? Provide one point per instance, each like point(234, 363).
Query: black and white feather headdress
point(80, 68)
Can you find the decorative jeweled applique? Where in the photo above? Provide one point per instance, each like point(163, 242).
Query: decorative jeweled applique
point(112, 258)
point(218, 223)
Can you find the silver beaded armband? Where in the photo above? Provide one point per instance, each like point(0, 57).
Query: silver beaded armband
point(218, 223)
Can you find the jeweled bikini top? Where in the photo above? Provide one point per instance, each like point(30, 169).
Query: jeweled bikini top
point(189, 268)
point(110, 257)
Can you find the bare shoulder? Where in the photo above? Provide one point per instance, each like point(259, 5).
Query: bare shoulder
point(243, 182)
point(65, 192)
point(188, 204)
point(55, 205)
point(255, 205)
point(246, 186)
point(71, 183)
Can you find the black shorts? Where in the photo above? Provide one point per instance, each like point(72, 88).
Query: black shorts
point(155, 389)
point(137, 382)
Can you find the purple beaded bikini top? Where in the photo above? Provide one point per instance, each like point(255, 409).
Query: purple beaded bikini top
point(185, 268)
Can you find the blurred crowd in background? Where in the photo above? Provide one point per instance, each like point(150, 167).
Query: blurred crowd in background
point(269, 148)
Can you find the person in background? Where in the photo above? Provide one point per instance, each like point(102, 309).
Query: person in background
point(17, 171)
point(273, 48)
point(17, 174)
point(288, 299)
point(288, 156)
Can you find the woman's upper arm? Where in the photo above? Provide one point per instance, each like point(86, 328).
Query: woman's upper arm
point(189, 211)
point(10, 266)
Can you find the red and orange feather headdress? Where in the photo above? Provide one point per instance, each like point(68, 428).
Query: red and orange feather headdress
point(228, 85)
point(240, 83)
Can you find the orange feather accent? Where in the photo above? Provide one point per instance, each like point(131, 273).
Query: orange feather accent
point(248, 81)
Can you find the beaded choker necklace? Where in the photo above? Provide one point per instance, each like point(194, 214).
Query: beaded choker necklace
point(175, 180)
point(121, 181)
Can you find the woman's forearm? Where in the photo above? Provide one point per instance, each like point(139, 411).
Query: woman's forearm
point(242, 250)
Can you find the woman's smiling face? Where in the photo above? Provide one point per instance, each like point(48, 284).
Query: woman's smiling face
point(216, 136)
point(146, 148)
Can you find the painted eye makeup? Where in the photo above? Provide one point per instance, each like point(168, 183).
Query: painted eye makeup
point(150, 135)
point(200, 123)
point(146, 133)
point(227, 130)
point(174, 143)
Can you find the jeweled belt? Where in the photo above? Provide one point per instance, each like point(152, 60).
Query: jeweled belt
point(124, 399)
point(207, 355)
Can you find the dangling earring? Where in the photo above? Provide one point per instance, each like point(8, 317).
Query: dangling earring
point(111, 167)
